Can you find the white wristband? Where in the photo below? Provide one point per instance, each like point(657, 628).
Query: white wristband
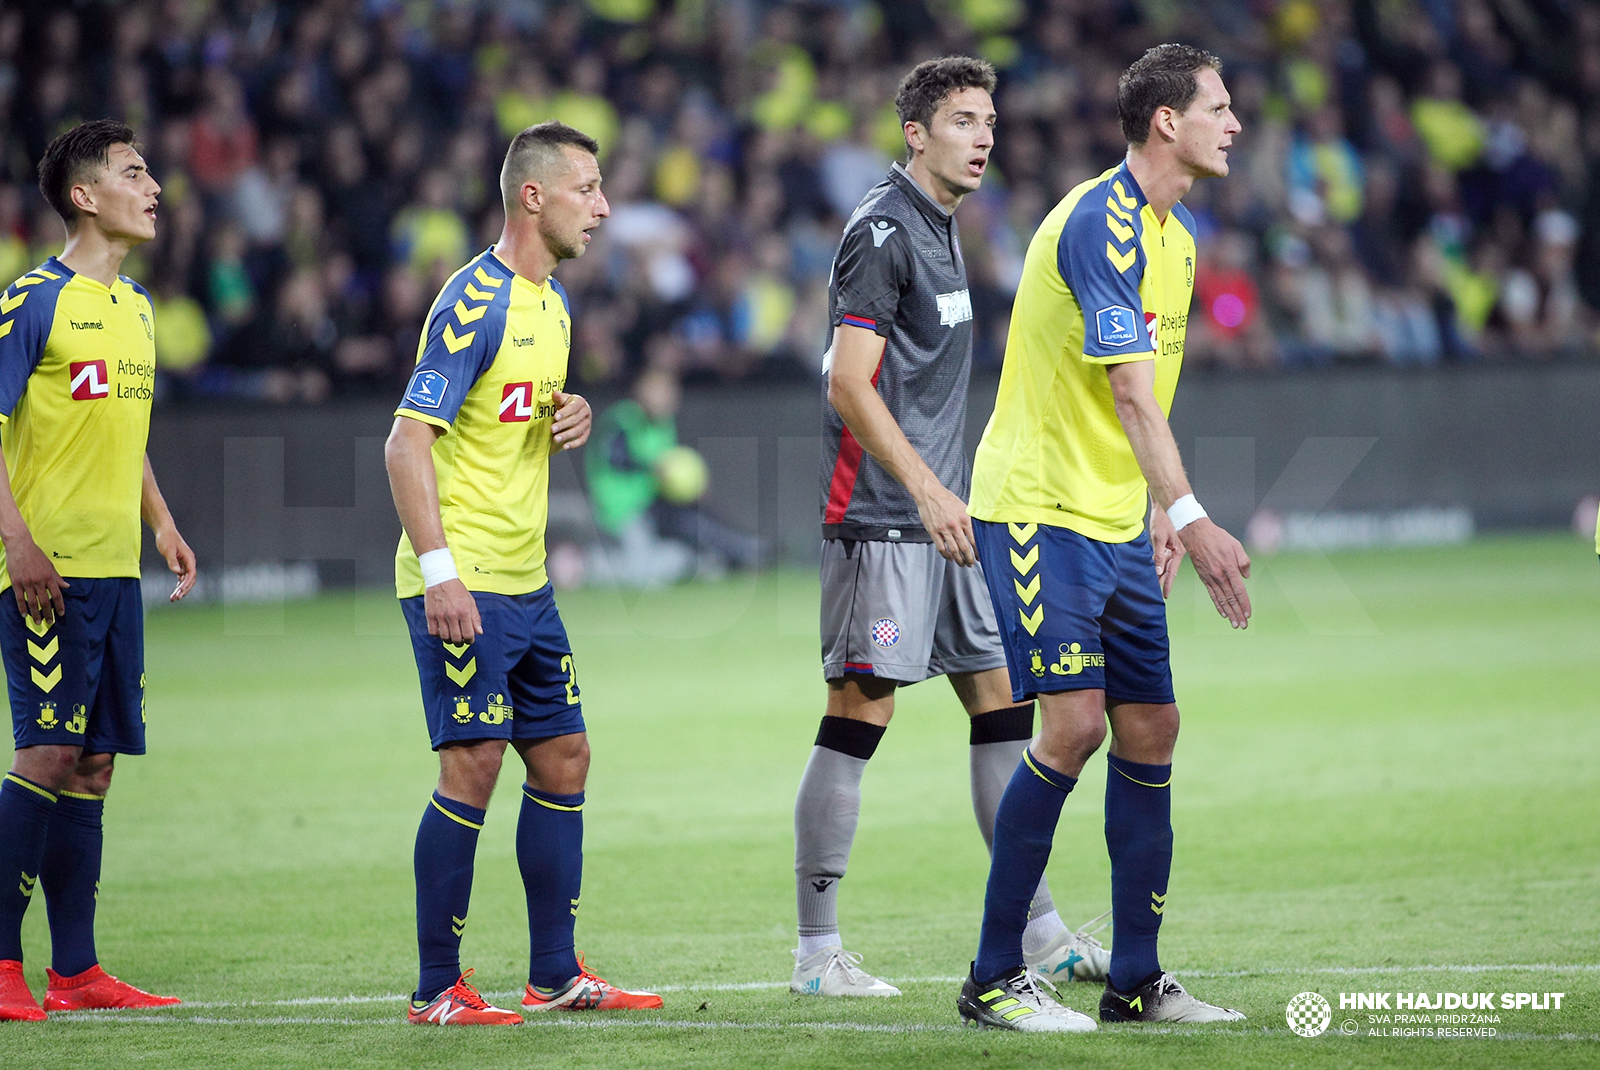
point(437, 566)
point(1184, 511)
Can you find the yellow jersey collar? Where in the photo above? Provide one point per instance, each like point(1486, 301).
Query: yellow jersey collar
point(540, 288)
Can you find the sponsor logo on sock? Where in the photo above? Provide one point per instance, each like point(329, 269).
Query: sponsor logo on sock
point(822, 885)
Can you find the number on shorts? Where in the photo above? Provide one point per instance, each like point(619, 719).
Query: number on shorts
point(572, 679)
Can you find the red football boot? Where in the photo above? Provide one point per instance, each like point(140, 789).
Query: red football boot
point(94, 989)
point(588, 992)
point(461, 1005)
point(16, 999)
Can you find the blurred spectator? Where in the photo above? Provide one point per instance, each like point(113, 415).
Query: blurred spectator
point(646, 490)
point(1227, 327)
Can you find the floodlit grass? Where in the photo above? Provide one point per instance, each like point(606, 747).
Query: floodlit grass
point(1387, 784)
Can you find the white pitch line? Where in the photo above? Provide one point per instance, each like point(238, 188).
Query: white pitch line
point(762, 986)
point(549, 1023)
point(566, 1022)
point(1341, 970)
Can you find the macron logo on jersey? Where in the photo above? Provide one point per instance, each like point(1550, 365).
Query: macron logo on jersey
point(427, 390)
point(881, 232)
point(954, 308)
point(89, 380)
point(1116, 326)
point(516, 403)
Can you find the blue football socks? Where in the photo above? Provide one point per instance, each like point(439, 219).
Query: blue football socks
point(25, 811)
point(1139, 839)
point(70, 877)
point(550, 855)
point(447, 841)
point(1024, 826)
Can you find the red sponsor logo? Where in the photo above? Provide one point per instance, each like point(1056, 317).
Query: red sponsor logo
point(89, 380)
point(516, 403)
point(1150, 326)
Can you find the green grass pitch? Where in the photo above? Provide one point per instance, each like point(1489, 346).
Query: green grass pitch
point(1388, 783)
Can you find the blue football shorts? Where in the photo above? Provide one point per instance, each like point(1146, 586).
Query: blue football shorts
point(1076, 613)
point(80, 681)
point(515, 681)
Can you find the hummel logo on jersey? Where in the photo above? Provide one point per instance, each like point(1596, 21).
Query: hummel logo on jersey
point(88, 325)
point(954, 308)
point(881, 232)
point(516, 403)
point(89, 380)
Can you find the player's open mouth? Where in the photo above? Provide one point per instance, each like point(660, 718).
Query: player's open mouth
point(977, 164)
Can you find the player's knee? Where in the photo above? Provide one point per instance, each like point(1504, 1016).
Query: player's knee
point(48, 766)
point(469, 773)
point(91, 775)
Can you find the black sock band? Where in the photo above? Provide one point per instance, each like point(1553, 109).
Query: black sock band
point(858, 739)
point(1003, 726)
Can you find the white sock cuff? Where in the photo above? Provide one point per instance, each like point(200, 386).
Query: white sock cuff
point(810, 945)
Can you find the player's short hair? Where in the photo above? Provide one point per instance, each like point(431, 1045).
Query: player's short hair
point(931, 81)
point(1164, 77)
point(74, 157)
point(533, 151)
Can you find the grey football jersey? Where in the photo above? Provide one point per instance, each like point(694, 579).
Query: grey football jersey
point(899, 272)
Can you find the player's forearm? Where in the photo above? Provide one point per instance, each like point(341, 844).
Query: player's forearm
point(12, 525)
point(1153, 446)
point(152, 506)
point(874, 426)
point(414, 485)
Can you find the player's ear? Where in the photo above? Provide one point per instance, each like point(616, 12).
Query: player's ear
point(82, 198)
point(532, 197)
point(916, 136)
point(1165, 122)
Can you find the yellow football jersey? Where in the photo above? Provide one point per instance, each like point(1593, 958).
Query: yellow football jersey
point(77, 374)
point(493, 352)
point(1104, 282)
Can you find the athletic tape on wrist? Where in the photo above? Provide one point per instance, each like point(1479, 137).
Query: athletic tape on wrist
point(437, 566)
point(1185, 511)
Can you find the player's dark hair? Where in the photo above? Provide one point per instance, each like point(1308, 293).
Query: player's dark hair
point(74, 156)
point(931, 81)
point(534, 149)
point(1164, 77)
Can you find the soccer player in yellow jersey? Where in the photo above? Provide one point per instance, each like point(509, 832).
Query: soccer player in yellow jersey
point(469, 464)
point(1076, 459)
point(77, 360)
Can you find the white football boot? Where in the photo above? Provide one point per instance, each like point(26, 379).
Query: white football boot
point(833, 971)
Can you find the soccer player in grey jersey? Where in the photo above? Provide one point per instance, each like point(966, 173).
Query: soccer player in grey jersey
point(903, 598)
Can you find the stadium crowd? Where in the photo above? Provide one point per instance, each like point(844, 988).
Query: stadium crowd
point(1416, 184)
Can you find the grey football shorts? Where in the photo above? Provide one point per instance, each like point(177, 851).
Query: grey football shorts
point(899, 611)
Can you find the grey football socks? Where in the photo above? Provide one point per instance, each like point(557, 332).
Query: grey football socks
point(826, 810)
point(998, 739)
